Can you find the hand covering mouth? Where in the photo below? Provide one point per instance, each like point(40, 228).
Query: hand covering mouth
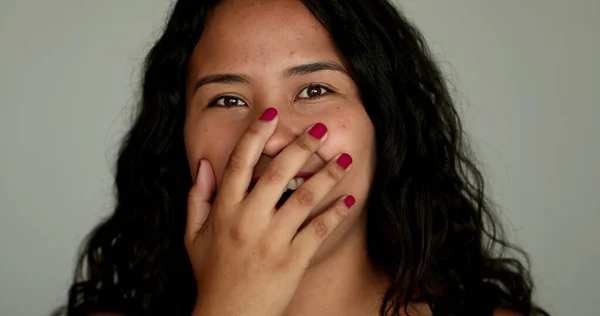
point(293, 184)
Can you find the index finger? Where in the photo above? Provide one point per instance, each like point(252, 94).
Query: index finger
point(245, 155)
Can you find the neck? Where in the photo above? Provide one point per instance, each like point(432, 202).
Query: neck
point(343, 283)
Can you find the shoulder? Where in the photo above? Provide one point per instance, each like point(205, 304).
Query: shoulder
point(506, 312)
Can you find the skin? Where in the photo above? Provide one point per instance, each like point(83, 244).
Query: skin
point(255, 40)
point(248, 258)
point(261, 45)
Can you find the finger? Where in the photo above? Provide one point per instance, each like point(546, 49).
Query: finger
point(274, 181)
point(199, 204)
point(310, 238)
point(306, 197)
point(245, 155)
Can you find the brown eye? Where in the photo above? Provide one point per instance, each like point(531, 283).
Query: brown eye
point(228, 101)
point(313, 91)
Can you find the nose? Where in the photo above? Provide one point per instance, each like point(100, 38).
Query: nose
point(289, 127)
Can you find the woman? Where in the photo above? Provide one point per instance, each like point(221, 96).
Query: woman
point(297, 158)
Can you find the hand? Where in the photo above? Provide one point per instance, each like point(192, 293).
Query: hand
point(248, 258)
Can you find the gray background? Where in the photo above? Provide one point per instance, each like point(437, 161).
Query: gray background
point(524, 72)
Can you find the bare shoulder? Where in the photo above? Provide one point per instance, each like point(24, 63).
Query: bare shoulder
point(506, 312)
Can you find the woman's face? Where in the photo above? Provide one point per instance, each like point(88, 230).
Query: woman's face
point(275, 54)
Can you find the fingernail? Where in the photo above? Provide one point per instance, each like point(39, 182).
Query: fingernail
point(269, 114)
point(349, 201)
point(318, 130)
point(344, 160)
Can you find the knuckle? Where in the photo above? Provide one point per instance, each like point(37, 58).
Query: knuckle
point(238, 236)
point(320, 227)
point(341, 211)
point(274, 174)
point(264, 250)
point(208, 227)
point(252, 130)
point(334, 173)
point(285, 263)
point(301, 142)
point(235, 163)
point(304, 196)
point(191, 197)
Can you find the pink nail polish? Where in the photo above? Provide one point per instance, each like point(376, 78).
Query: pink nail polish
point(269, 114)
point(349, 201)
point(318, 131)
point(344, 160)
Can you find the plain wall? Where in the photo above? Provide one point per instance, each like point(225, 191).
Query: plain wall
point(524, 74)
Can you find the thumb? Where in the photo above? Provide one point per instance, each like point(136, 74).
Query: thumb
point(199, 200)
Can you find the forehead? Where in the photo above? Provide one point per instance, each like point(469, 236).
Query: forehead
point(245, 33)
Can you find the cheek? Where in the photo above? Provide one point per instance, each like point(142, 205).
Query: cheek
point(351, 131)
point(354, 133)
point(210, 142)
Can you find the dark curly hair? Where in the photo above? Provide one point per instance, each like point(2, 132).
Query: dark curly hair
point(430, 227)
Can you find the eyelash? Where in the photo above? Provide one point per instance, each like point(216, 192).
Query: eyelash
point(323, 89)
point(313, 86)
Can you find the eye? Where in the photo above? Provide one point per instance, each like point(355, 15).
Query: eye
point(313, 91)
point(227, 102)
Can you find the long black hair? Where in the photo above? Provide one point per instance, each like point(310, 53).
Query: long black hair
point(430, 227)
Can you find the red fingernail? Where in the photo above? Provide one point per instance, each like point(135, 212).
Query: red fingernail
point(318, 130)
point(344, 160)
point(349, 201)
point(269, 114)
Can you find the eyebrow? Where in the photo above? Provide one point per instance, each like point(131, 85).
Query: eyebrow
point(299, 70)
point(306, 69)
point(221, 78)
